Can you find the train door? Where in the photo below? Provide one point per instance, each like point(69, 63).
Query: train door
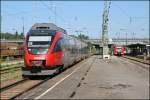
point(71, 53)
point(65, 52)
point(77, 50)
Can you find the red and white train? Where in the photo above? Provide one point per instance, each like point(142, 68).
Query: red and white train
point(48, 49)
point(118, 50)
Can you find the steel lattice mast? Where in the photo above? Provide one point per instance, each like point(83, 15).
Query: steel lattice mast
point(105, 29)
point(105, 23)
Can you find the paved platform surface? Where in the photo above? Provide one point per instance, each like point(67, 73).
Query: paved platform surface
point(95, 78)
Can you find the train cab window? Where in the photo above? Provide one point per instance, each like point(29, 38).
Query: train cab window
point(57, 46)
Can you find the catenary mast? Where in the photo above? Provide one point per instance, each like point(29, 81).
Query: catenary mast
point(105, 29)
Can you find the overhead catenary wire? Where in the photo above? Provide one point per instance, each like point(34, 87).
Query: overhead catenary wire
point(121, 9)
point(55, 13)
point(124, 12)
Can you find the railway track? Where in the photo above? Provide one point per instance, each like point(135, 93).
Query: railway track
point(10, 60)
point(10, 67)
point(14, 90)
point(11, 85)
point(139, 62)
point(9, 71)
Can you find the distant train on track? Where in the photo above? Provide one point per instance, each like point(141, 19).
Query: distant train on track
point(118, 50)
point(48, 50)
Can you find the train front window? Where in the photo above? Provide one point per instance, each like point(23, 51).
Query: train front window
point(36, 50)
point(39, 44)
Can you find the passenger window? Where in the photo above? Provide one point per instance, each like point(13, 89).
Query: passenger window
point(57, 46)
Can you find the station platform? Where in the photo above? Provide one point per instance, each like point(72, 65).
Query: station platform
point(95, 78)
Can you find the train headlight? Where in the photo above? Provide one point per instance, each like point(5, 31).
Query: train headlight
point(29, 49)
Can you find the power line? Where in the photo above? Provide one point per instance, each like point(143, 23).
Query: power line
point(52, 11)
point(122, 10)
point(56, 14)
point(130, 18)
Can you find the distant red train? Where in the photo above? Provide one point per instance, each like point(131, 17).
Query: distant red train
point(48, 50)
point(118, 50)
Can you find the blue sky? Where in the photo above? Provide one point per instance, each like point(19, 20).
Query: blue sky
point(78, 15)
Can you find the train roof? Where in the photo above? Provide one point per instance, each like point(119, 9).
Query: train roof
point(47, 26)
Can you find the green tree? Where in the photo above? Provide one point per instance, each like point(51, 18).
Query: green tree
point(21, 36)
point(16, 35)
point(73, 36)
point(82, 36)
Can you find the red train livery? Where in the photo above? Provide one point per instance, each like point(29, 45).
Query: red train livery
point(48, 49)
point(118, 50)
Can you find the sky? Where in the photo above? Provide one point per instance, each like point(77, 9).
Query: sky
point(131, 17)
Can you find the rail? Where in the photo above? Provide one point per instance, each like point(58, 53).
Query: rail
point(138, 60)
point(18, 88)
point(10, 71)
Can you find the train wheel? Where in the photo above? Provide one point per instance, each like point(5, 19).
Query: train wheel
point(59, 70)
